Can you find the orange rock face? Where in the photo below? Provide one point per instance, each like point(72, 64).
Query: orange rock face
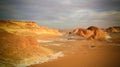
point(98, 33)
point(83, 32)
point(17, 50)
point(92, 32)
point(113, 29)
point(19, 47)
point(26, 28)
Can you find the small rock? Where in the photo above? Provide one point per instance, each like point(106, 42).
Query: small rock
point(92, 46)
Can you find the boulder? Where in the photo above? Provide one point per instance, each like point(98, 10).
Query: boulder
point(83, 32)
point(99, 34)
point(92, 33)
point(113, 29)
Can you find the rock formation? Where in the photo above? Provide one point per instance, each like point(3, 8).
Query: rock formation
point(113, 29)
point(26, 28)
point(98, 33)
point(19, 47)
point(92, 32)
point(21, 51)
point(83, 32)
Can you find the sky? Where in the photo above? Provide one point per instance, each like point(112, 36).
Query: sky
point(63, 14)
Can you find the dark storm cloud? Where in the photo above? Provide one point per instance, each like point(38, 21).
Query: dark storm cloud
point(33, 9)
point(110, 4)
point(97, 4)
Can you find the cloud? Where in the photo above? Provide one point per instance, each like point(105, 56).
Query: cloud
point(87, 14)
point(89, 17)
point(66, 2)
point(62, 12)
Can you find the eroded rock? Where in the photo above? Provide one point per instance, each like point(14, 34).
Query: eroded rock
point(93, 33)
point(21, 51)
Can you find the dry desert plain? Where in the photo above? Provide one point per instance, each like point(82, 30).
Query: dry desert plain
point(25, 44)
point(83, 53)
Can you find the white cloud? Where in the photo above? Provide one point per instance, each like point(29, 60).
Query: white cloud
point(59, 11)
point(88, 14)
point(66, 2)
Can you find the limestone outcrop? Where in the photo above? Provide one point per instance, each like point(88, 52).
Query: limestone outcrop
point(26, 28)
point(92, 32)
point(113, 29)
point(19, 45)
point(21, 51)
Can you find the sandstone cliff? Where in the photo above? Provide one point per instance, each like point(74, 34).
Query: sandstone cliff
point(19, 47)
point(21, 51)
point(26, 28)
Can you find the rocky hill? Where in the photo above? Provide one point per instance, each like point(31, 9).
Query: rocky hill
point(21, 51)
point(26, 28)
point(19, 47)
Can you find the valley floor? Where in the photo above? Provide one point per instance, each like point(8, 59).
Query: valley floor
point(82, 53)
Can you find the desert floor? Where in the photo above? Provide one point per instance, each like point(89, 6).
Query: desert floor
point(83, 53)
